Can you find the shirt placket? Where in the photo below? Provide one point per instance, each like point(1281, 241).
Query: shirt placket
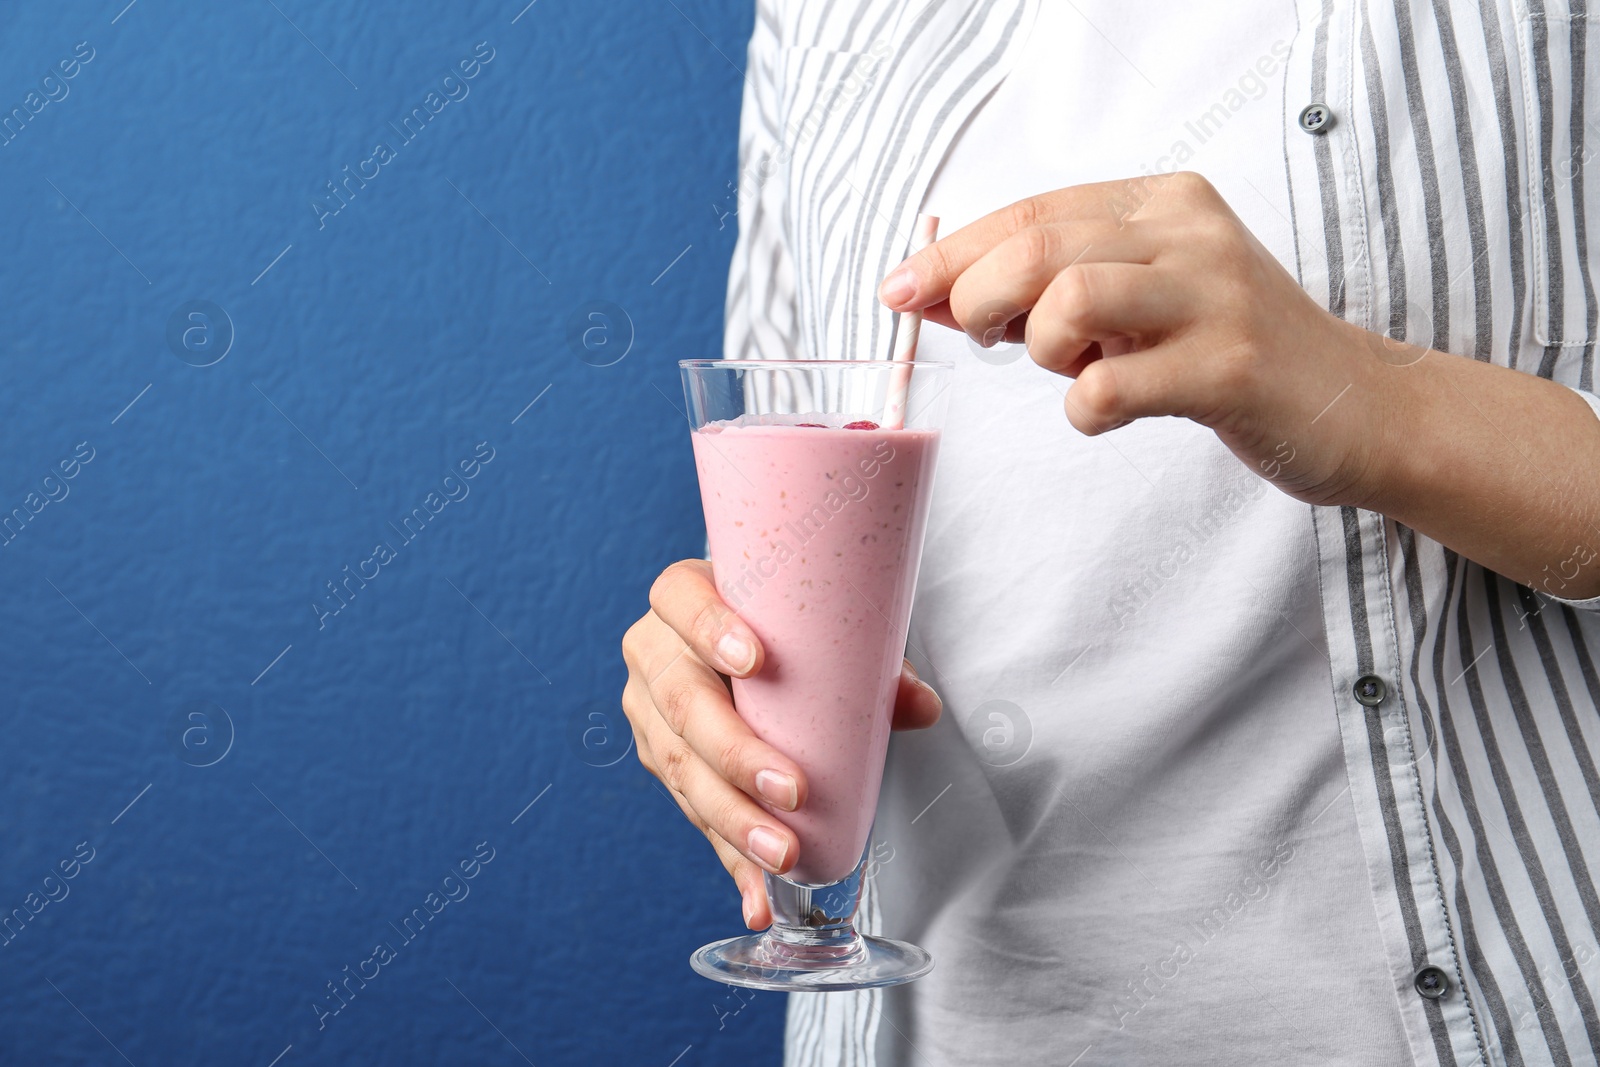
point(1376, 712)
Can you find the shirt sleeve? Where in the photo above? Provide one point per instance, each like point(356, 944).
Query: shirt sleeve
point(1592, 603)
point(761, 303)
point(1590, 399)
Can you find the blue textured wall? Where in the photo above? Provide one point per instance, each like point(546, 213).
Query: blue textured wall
point(219, 792)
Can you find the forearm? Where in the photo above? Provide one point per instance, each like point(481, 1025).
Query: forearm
point(1498, 465)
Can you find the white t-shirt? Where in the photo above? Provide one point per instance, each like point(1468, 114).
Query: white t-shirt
point(1149, 856)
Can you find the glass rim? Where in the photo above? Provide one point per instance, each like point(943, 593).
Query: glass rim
point(774, 364)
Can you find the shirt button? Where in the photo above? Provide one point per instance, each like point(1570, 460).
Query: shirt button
point(1370, 690)
point(1314, 118)
point(1432, 983)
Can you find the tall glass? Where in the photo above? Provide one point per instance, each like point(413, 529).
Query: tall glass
point(815, 511)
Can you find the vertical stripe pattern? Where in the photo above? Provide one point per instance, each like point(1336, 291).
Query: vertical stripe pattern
point(1462, 142)
point(1447, 205)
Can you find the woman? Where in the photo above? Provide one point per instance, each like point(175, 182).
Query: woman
point(1270, 725)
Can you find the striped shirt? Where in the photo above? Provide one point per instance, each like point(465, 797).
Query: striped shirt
point(1446, 205)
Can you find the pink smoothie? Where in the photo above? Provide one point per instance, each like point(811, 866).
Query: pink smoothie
point(816, 534)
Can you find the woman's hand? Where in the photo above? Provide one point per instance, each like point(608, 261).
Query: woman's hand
point(1157, 299)
point(729, 783)
point(1199, 319)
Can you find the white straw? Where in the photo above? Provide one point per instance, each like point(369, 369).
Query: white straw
point(905, 341)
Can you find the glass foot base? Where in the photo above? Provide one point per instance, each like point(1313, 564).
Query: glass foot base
point(761, 961)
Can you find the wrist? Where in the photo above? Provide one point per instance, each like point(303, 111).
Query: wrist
point(1392, 454)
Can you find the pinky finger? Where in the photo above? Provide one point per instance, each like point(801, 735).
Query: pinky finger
point(749, 878)
point(1114, 392)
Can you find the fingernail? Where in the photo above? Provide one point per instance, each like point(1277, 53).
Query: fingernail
point(779, 790)
point(749, 909)
point(898, 288)
point(737, 654)
point(767, 848)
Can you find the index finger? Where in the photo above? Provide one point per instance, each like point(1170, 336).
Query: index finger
point(926, 277)
point(686, 599)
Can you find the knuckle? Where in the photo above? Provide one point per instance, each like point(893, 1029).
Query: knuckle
point(1190, 184)
point(1096, 394)
point(675, 765)
point(646, 757)
point(631, 642)
point(706, 626)
point(677, 704)
point(641, 748)
point(1053, 348)
point(1216, 233)
point(734, 759)
point(1043, 336)
point(937, 261)
point(1134, 197)
point(661, 588)
point(1032, 248)
point(726, 815)
point(633, 702)
point(669, 583)
point(1076, 294)
point(1023, 214)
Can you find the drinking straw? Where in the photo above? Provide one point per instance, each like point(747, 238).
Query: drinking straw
point(905, 341)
